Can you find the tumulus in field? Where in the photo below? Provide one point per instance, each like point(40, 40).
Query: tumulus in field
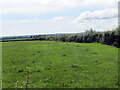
point(49, 64)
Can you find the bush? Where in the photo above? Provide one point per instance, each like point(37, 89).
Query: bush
point(89, 36)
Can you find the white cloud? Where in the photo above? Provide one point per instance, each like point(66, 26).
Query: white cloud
point(58, 18)
point(97, 15)
point(99, 20)
point(15, 27)
point(45, 6)
point(36, 20)
point(95, 19)
point(98, 25)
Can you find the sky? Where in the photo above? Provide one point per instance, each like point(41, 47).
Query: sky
point(28, 17)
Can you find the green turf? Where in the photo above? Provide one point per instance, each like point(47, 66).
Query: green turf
point(52, 64)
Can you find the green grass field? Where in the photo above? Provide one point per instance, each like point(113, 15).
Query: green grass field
point(49, 64)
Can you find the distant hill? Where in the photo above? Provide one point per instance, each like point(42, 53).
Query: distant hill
point(33, 36)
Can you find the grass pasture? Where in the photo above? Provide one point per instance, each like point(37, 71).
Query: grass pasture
point(50, 64)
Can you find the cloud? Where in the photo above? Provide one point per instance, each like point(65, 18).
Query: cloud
point(36, 20)
point(58, 18)
point(97, 15)
point(98, 25)
point(46, 6)
point(31, 12)
point(38, 26)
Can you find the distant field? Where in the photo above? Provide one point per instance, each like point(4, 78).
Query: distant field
point(49, 64)
point(17, 39)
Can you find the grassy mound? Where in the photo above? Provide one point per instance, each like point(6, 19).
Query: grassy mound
point(49, 64)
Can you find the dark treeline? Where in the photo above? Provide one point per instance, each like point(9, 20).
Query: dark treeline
point(16, 37)
point(90, 36)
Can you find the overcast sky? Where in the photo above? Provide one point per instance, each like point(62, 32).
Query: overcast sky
point(23, 17)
